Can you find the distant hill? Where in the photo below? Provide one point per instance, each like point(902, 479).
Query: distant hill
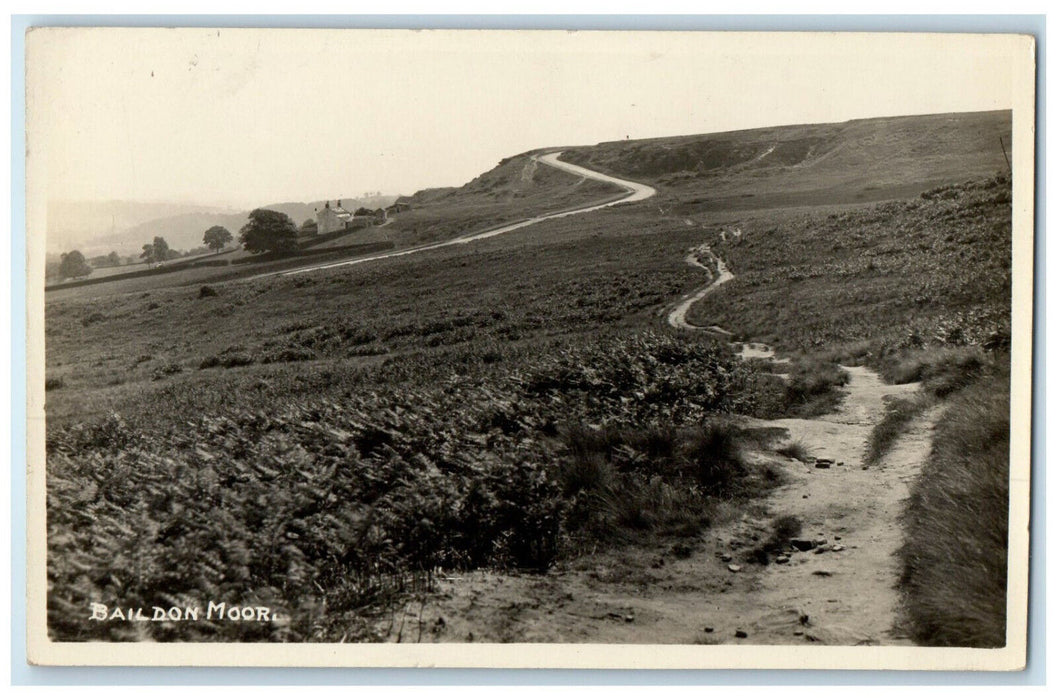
point(858, 160)
point(72, 224)
point(854, 162)
point(96, 228)
point(517, 188)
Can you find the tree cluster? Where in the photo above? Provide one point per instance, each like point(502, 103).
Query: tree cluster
point(73, 265)
point(157, 252)
point(268, 231)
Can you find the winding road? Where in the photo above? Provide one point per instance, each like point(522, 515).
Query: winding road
point(636, 192)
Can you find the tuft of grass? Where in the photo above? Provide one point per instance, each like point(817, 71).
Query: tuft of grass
point(633, 503)
point(784, 529)
point(794, 450)
point(956, 520)
point(811, 377)
point(853, 354)
point(706, 638)
point(207, 291)
point(942, 371)
point(716, 463)
point(898, 414)
point(232, 356)
point(289, 354)
point(813, 388)
point(232, 360)
point(653, 479)
point(53, 383)
point(94, 317)
point(587, 471)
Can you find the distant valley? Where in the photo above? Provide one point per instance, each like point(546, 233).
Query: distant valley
point(96, 228)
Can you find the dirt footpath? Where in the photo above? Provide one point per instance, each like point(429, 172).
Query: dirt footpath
point(849, 595)
point(841, 591)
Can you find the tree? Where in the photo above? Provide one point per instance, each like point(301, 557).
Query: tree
point(113, 259)
point(310, 226)
point(73, 265)
point(156, 252)
point(161, 250)
point(217, 237)
point(268, 230)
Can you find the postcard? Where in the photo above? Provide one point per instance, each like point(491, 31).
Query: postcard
point(544, 349)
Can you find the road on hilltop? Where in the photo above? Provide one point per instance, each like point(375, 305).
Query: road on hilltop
point(636, 192)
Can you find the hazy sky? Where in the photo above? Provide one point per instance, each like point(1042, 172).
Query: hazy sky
point(247, 117)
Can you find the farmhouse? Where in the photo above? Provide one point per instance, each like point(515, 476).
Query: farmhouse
point(337, 218)
point(332, 218)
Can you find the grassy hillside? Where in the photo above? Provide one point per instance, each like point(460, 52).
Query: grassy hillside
point(328, 509)
point(435, 410)
point(518, 188)
point(857, 161)
point(934, 269)
point(236, 264)
point(562, 276)
point(318, 443)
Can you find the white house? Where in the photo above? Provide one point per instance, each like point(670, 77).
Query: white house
point(332, 218)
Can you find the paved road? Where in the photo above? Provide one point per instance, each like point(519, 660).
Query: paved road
point(636, 192)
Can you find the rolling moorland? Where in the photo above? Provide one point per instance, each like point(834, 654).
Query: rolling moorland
point(505, 441)
point(517, 189)
point(518, 184)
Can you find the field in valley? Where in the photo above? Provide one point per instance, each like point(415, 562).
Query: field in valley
point(506, 441)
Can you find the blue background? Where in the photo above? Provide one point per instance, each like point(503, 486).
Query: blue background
point(23, 674)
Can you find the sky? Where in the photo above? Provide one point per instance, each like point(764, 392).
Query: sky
point(244, 117)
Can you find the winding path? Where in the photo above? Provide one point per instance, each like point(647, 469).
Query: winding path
point(636, 192)
point(677, 316)
point(843, 594)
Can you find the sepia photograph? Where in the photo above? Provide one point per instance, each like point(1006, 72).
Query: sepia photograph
point(558, 349)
